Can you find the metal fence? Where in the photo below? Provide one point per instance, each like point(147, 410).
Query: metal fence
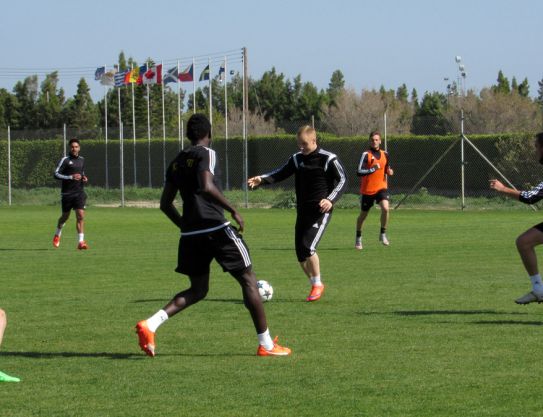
point(443, 164)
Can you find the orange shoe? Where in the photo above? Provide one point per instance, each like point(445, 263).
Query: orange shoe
point(146, 338)
point(56, 241)
point(316, 292)
point(276, 351)
point(82, 245)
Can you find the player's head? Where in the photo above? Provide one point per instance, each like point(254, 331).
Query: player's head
point(199, 128)
point(306, 139)
point(375, 140)
point(539, 146)
point(75, 147)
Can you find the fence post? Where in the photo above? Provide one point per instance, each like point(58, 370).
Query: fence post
point(462, 162)
point(121, 151)
point(64, 140)
point(385, 130)
point(9, 165)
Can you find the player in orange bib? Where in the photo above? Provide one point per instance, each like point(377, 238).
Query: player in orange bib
point(373, 169)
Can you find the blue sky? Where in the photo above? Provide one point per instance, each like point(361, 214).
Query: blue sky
point(372, 43)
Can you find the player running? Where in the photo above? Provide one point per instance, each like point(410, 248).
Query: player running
point(3, 322)
point(320, 181)
point(532, 237)
point(71, 170)
point(373, 169)
point(205, 235)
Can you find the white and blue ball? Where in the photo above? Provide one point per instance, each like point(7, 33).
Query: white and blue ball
point(265, 290)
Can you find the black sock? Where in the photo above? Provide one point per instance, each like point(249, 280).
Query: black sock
point(383, 230)
point(359, 233)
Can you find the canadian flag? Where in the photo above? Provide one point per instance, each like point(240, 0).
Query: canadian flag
point(153, 75)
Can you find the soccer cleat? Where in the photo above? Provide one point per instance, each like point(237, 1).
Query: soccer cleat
point(56, 241)
point(383, 239)
point(316, 292)
point(82, 245)
point(531, 297)
point(146, 338)
point(358, 243)
point(6, 378)
point(275, 351)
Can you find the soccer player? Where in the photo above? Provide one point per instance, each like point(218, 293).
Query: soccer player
point(373, 168)
point(320, 181)
point(71, 170)
point(532, 237)
point(3, 322)
point(205, 235)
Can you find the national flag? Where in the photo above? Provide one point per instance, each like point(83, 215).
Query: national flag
point(205, 74)
point(222, 74)
point(120, 77)
point(170, 76)
point(100, 71)
point(132, 76)
point(141, 70)
point(108, 78)
point(187, 74)
point(153, 75)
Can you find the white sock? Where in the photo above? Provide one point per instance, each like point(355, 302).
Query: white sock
point(537, 284)
point(316, 280)
point(59, 231)
point(81, 237)
point(265, 340)
point(156, 320)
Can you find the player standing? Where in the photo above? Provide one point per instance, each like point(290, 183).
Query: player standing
point(320, 181)
point(71, 171)
point(205, 235)
point(3, 322)
point(373, 168)
point(532, 237)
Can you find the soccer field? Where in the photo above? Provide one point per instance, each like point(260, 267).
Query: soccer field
point(426, 327)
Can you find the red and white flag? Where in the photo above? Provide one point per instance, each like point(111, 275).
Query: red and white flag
point(153, 75)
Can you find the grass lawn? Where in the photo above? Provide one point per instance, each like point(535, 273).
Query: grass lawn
point(426, 327)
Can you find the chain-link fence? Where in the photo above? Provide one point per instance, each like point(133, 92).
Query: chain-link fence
point(435, 166)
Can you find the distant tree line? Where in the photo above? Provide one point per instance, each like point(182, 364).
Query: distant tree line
point(276, 103)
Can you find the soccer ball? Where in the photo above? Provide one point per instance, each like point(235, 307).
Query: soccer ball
point(265, 290)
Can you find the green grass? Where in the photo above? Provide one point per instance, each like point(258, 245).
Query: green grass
point(426, 327)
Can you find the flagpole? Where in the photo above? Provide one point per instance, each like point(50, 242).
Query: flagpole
point(244, 122)
point(148, 128)
point(133, 122)
point(105, 127)
point(121, 162)
point(210, 92)
point(163, 125)
point(178, 105)
point(120, 129)
point(193, 87)
point(226, 123)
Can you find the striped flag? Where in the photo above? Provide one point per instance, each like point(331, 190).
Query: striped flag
point(120, 77)
point(205, 74)
point(187, 74)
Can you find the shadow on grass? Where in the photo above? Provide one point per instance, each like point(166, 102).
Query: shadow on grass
point(509, 322)
point(452, 312)
point(115, 356)
point(23, 249)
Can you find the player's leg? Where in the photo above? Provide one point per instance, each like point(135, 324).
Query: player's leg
point(3, 322)
point(60, 224)
point(385, 210)
point(526, 244)
point(366, 202)
point(79, 207)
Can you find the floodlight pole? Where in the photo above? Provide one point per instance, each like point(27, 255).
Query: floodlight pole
point(462, 161)
point(244, 122)
point(9, 165)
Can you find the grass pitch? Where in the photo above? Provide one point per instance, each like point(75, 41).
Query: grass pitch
point(426, 327)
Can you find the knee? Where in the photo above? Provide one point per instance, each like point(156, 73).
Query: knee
point(80, 217)
point(3, 317)
point(522, 243)
point(200, 292)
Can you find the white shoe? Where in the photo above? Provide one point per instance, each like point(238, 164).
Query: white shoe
point(358, 243)
point(383, 239)
point(531, 297)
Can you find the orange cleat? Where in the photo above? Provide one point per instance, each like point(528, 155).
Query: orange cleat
point(316, 293)
point(82, 245)
point(275, 351)
point(56, 241)
point(146, 338)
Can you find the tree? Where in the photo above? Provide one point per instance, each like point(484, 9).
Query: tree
point(415, 98)
point(80, 111)
point(269, 96)
point(50, 103)
point(26, 93)
point(539, 98)
point(430, 116)
point(503, 86)
point(335, 87)
point(514, 85)
point(402, 93)
point(524, 88)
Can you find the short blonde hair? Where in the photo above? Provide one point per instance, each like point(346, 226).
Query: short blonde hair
point(307, 130)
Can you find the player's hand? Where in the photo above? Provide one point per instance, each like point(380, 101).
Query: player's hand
point(377, 166)
point(390, 172)
point(76, 177)
point(254, 182)
point(496, 185)
point(239, 220)
point(325, 205)
point(84, 179)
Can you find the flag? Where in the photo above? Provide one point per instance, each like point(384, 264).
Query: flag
point(187, 74)
point(98, 74)
point(132, 76)
point(142, 70)
point(108, 78)
point(222, 74)
point(205, 74)
point(171, 76)
point(153, 75)
point(119, 78)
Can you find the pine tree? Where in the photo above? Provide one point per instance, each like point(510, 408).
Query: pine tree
point(524, 88)
point(503, 86)
point(539, 98)
point(514, 85)
point(402, 93)
point(335, 87)
point(81, 111)
point(50, 103)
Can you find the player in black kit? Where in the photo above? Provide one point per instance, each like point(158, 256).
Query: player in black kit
point(71, 170)
point(205, 235)
point(320, 181)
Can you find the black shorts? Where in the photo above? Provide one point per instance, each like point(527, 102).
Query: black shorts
point(539, 227)
point(367, 200)
point(73, 202)
point(225, 245)
point(308, 232)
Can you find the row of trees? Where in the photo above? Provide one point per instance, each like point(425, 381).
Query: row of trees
point(276, 103)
